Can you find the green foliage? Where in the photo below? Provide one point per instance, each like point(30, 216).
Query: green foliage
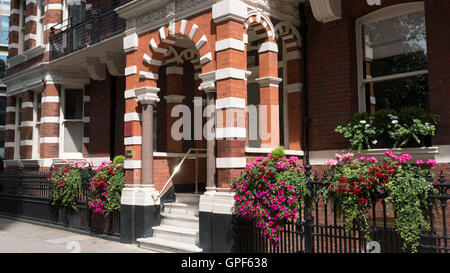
point(357, 184)
point(408, 196)
point(66, 184)
point(119, 159)
point(411, 123)
point(359, 132)
point(278, 152)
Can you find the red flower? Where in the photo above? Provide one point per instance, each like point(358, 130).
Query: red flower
point(362, 200)
point(61, 185)
point(356, 191)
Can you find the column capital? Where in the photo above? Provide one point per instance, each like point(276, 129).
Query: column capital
point(208, 84)
point(268, 81)
point(147, 95)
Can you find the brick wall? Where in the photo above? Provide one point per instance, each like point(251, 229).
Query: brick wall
point(332, 71)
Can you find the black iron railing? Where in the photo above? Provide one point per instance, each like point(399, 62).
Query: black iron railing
point(28, 196)
point(72, 35)
point(320, 229)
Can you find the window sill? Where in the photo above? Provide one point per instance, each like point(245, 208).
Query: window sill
point(266, 151)
point(27, 55)
point(416, 153)
point(25, 163)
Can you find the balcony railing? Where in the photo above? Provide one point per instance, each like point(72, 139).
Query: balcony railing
point(68, 37)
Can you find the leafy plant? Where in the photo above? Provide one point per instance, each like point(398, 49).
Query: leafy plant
point(119, 159)
point(106, 188)
point(66, 183)
point(359, 132)
point(411, 123)
point(268, 192)
point(357, 183)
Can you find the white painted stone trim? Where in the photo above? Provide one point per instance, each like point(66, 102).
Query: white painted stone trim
point(129, 94)
point(132, 117)
point(14, 28)
point(252, 150)
point(130, 42)
point(86, 119)
point(193, 31)
point(229, 10)
point(132, 164)
point(27, 124)
point(135, 140)
point(50, 119)
point(200, 43)
point(139, 195)
point(151, 61)
point(10, 127)
point(53, 7)
point(268, 46)
point(230, 162)
point(174, 70)
point(183, 26)
point(231, 132)
point(155, 47)
point(293, 55)
point(49, 140)
point(30, 36)
point(230, 43)
point(10, 144)
point(216, 200)
point(148, 75)
point(230, 103)
point(230, 72)
point(27, 104)
point(50, 99)
point(10, 109)
point(206, 58)
point(130, 70)
point(86, 140)
point(294, 87)
point(27, 142)
point(31, 18)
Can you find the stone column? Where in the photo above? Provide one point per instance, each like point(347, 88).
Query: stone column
point(147, 97)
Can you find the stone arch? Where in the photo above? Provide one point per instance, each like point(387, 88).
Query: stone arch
point(260, 21)
point(168, 35)
point(286, 32)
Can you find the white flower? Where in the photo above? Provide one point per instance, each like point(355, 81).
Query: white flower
point(394, 117)
point(362, 121)
point(374, 142)
point(394, 121)
point(367, 125)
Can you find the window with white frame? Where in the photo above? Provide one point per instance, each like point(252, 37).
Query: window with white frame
point(22, 26)
point(37, 124)
point(392, 58)
point(40, 25)
point(17, 127)
point(71, 142)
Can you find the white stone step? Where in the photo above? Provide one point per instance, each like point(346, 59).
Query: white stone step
point(177, 234)
point(188, 198)
point(179, 220)
point(167, 246)
point(181, 208)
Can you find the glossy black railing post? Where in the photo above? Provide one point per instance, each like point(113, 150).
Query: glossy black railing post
point(308, 217)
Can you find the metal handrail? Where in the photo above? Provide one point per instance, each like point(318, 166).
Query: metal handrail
point(177, 168)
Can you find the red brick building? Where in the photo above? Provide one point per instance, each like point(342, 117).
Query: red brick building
point(88, 80)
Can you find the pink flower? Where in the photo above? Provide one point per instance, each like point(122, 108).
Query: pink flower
point(419, 162)
point(431, 162)
point(372, 159)
point(331, 162)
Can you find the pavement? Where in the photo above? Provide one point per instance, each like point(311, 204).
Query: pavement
point(18, 236)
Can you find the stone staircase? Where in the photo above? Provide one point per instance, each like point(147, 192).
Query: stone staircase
point(179, 229)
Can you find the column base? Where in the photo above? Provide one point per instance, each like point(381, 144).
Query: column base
point(216, 220)
point(140, 211)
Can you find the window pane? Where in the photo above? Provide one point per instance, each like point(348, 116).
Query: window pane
point(400, 93)
point(73, 104)
point(395, 45)
point(73, 135)
point(4, 30)
point(39, 107)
